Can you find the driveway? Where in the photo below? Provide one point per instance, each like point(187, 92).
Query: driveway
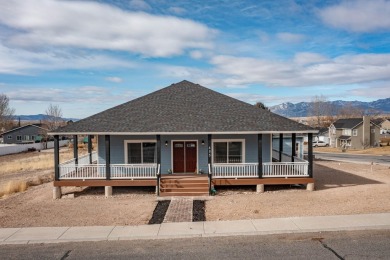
point(358, 158)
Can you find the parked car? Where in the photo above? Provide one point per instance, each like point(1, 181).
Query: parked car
point(320, 144)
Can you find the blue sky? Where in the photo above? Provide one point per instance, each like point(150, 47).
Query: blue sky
point(87, 56)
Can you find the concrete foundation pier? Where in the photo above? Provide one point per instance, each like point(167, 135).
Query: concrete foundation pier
point(260, 188)
point(310, 187)
point(57, 193)
point(108, 191)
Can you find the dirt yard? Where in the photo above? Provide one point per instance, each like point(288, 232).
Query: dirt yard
point(342, 188)
point(30, 168)
point(384, 150)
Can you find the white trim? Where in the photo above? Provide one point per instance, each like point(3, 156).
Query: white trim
point(197, 153)
point(125, 142)
point(18, 139)
point(184, 133)
point(227, 141)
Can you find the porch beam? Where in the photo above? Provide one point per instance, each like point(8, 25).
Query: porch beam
point(209, 148)
point(260, 155)
point(310, 154)
point(75, 150)
point(293, 146)
point(108, 157)
point(158, 138)
point(90, 148)
point(209, 161)
point(56, 158)
point(280, 147)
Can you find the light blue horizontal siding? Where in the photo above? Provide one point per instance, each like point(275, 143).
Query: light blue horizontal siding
point(251, 152)
point(118, 152)
point(117, 143)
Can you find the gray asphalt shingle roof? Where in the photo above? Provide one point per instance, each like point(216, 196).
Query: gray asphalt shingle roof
point(183, 107)
point(347, 123)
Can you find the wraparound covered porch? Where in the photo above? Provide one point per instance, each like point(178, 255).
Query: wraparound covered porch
point(272, 167)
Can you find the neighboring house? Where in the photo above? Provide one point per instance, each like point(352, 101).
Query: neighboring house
point(354, 133)
point(184, 139)
point(24, 134)
point(322, 136)
point(385, 126)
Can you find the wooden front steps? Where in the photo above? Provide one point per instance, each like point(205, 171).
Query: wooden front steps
point(184, 185)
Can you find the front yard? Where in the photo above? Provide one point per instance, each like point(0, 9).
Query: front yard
point(342, 188)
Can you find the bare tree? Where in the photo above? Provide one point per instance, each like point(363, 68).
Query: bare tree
point(6, 112)
point(322, 111)
point(261, 105)
point(53, 117)
point(349, 111)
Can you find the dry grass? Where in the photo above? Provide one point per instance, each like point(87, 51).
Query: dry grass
point(20, 171)
point(42, 161)
point(384, 150)
point(13, 187)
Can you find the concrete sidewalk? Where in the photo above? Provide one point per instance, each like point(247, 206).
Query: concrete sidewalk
point(195, 229)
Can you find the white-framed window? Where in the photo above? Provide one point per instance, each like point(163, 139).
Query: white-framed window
point(347, 132)
point(355, 132)
point(139, 152)
point(33, 137)
point(26, 138)
point(9, 137)
point(18, 138)
point(228, 151)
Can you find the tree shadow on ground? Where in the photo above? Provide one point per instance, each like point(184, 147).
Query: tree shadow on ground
point(330, 178)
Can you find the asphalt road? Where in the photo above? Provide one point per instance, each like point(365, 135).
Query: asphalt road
point(377, 159)
point(325, 245)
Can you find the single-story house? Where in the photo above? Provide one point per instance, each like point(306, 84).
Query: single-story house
point(354, 133)
point(24, 134)
point(184, 139)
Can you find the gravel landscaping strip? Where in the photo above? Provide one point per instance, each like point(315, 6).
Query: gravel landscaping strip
point(159, 212)
point(198, 212)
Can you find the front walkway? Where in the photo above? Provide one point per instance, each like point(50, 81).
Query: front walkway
point(196, 229)
point(179, 210)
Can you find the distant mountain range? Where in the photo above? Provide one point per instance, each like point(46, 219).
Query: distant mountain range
point(302, 109)
point(38, 117)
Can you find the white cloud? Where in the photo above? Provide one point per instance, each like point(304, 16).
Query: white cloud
point(140, 5)
point(19, 61)
point(304, 58)
point(114, 79)
point(73, 95)
point(290, 37)
point(177, 10)
point(342, 70)
point(196, 54)
point(358, 16)
point(100, 26)
point(377, 91)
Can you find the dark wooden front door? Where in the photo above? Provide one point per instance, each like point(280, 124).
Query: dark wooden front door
point(184, 157)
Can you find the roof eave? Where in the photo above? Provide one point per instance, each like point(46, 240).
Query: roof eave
point(314, 131)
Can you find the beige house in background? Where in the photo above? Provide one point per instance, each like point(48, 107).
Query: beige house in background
point(354, 133)
point(385, 126)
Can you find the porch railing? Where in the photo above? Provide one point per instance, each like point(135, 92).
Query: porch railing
point(134, 171)
point(85, 171)
point(232, 170)
point(285, 169)
point(69, 170)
